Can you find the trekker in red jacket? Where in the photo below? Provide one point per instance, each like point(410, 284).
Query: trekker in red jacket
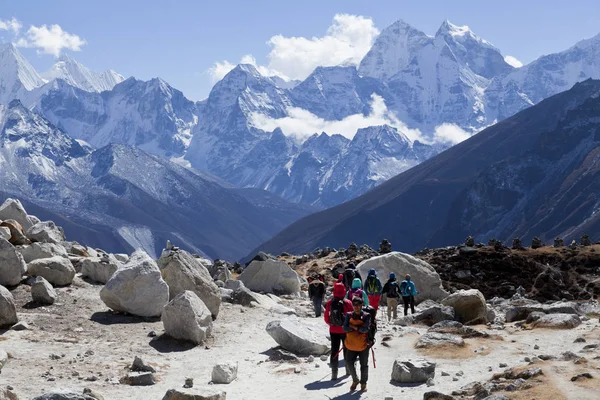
point(335, 313)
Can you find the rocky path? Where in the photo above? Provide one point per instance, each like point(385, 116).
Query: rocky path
point(76, 343)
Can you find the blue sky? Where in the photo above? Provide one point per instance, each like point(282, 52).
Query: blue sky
point(180, 41)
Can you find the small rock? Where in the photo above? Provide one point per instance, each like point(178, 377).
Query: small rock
point(324, 358)
point(584, 375)
point(430, 382)
point(152, 334)
point(310, 359)
point(454, 378)
point(579, 340)
point(189, 383)
point(444, 373)
point(139, 365)
point(93, 394)
point(536, 347)
point(21, 326)
point(297, 370)
point(139, 379)
point(224, 373)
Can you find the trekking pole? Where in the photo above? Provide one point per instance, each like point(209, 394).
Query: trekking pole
point(338, 353)
point(373, 353)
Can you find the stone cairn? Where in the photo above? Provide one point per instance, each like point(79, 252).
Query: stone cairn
point(516, 244)
point(585, 240)
point(352, 250)
point(536, 243)
point(470, 241)
point(385, 247)
point(558, 242)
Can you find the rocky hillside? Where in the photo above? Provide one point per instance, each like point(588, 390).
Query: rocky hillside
point(534, 174)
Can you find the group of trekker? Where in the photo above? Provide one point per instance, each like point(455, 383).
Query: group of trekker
point(351, 315)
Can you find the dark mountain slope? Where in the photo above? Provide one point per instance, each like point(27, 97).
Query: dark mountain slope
point(523, 176)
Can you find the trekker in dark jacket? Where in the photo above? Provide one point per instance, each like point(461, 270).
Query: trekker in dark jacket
point(392, 290)
point(350, 273)
point(356, 325)
point(335, 314)
point(316, 292)
point(408, 292)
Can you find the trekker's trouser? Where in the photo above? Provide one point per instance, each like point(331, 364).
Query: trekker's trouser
point(337, 340)
point(374, 300)
point(409, 300)
point(392, 304)
point(318, 304)
point(363, 356)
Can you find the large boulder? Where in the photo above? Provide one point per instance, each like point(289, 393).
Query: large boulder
point(13, 209)
point(456, 328)
point(42, 291)
point(182, 272)
point(469, 306)
point(187, 318)
point(12, 265)
point(56, 270)
point(137, 287)
point(417, 371)
point(17, 235)
point(271, 276)
point(427, 281)
point(434, 339)
point(46, 232)
point(35, 251)
point(299, 336)
point(195, 394)
point(556, 321)
point(99, 269)
point(8, 310)
point(434, 314)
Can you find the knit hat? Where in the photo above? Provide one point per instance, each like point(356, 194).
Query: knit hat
point(339, 290)
point(392, 275)
point(372, 272)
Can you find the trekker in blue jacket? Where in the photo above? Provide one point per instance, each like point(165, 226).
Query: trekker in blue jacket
point(408, 292)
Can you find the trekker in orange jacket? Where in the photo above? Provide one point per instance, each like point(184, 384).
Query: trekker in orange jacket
point(356, 325)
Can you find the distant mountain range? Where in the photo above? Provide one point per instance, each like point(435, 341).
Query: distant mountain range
point(534, 174)
point(401, 99)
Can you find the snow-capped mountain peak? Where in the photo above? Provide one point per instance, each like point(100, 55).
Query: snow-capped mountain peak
point(78, 75)
point(17, 76)
point(454, 30)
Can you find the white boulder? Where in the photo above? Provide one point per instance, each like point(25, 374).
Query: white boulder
point(469, 306)
point(300, 337)
point(37, 250)
point(4, 232)
point(98, 269)
point(182, 272)
point(186, 317)
point(12, 265)
point(427, 281)
point(137, 287)
point(417, 371)
point(198, 394)
point(56, 270)
point(121, 257)
point(224, 373)
point(13, 209)
point(8, 310)
point(46, 232)
point(271, 276)
point(42, 291)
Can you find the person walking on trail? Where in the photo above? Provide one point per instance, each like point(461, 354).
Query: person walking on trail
point(356, 326)
point(392, 292)
point(408, 292)
point(350, 273)
point(335, 314)
point(356, 291)
point(373, 289)
point(316, 292)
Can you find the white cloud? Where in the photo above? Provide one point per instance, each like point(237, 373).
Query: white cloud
point(346, 41)
point(301, 123)
point(513, 61)
point(13, 25)
point(50, 40)
point(450, 133)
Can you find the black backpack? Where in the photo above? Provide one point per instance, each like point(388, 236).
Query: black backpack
point(349, 276)
point(336, 312)
point(393, 290)
point(372, 327)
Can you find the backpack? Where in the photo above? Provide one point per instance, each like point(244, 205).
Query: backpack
point(404, 289)
point(392, 290)
point(349, 276)
point(336, 312)
point(373, 326)
point(372, 285)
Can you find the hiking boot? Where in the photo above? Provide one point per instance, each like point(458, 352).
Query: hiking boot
point(334, 374)
point(353, 386)
point(363, 387)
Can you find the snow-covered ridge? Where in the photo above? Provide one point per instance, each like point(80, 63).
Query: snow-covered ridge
point(76, 74)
